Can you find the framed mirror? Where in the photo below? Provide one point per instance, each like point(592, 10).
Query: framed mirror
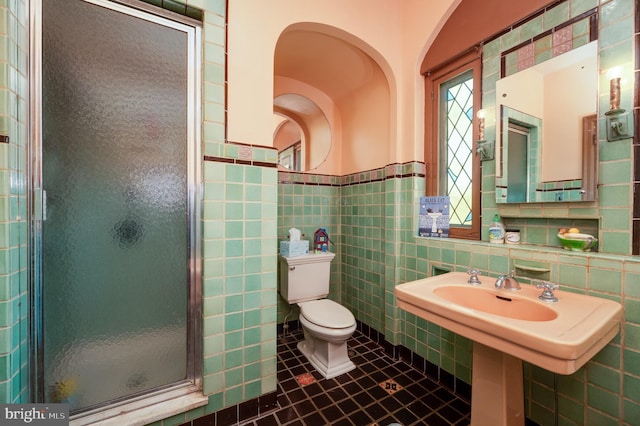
point(546, 145)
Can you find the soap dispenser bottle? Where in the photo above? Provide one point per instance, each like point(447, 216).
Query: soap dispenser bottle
point(496, 231)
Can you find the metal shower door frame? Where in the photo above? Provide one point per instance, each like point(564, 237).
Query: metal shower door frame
point(36, 203)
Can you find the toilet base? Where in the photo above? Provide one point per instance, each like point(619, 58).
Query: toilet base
point(329, 359)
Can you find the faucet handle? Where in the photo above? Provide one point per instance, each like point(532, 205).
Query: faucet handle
point(473, 276)
point(547, 286)
point(547, 291)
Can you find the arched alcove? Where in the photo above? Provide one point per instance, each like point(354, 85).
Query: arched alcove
point(337, 71)
point(307, 119)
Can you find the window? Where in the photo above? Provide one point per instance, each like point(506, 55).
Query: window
point(453, 166)
point(291, 157)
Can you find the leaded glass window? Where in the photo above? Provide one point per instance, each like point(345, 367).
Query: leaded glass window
point(456, 134)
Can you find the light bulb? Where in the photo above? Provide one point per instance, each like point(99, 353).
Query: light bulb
point(480, 114)
point(614, 87)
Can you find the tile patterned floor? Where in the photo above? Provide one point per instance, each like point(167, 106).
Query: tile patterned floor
point(379, 392)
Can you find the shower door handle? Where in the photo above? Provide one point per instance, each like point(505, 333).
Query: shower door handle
point(40, 204)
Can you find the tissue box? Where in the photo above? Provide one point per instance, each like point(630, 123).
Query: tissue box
point(294, 248)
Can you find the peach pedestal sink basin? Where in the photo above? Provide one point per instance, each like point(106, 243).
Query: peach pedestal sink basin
point(496, 303)
point(507, 327)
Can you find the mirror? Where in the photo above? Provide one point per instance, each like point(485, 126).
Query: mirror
point(546, 129)
point(302, 134)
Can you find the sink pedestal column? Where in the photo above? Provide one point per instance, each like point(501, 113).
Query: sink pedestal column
point(497, 395)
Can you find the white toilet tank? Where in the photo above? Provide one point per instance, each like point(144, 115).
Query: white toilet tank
point(305, 277)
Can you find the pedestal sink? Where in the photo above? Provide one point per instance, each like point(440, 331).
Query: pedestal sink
point(507, 327)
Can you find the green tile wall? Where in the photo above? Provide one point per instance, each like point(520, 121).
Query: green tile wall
point(597, 394)
point(605, 402)
point(602, 392)
point(239, 232)
point(608, 381)
point(239, 245)
point(609, 216)
point(363, 250)
point(606, 390)
point(309, 202)
point(402, 198)
point(239, 281)
point(364, 213)
point(14, 301)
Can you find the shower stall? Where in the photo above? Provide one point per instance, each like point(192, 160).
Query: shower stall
point(115, 211)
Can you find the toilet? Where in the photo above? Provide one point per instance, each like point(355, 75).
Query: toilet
point(327, 325)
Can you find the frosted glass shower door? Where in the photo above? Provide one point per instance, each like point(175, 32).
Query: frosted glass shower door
point(116, 237)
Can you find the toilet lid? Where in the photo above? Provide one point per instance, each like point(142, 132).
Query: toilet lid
point(327, 313)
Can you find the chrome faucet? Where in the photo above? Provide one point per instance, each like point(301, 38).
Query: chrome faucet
point(547, 291)
point(473, 277)
point(508, 282)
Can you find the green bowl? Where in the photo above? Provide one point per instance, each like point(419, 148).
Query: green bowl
point(577, 242)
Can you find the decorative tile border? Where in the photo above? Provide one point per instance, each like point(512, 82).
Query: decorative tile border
point(243, 153)
point(239, 161)
point(390, 171)
point(563, 190)
point(307, 179)
point(551, 43)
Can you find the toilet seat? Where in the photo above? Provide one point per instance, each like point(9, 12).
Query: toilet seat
point(327, 313)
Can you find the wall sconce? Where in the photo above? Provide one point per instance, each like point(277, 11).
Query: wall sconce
point(617, 120)
point(481, 114)
point(484, 148)
point(614, 75)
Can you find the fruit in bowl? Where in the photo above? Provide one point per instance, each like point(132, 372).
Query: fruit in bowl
point(568, 230)
point(576, 241)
